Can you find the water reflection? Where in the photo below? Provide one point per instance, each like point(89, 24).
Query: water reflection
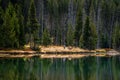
point(88, 68)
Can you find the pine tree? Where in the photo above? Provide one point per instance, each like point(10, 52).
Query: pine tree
point(94, 36)
point(116, 37)
point(70, 36)
point(104, 41)
point(46, 38)
point(22, 31)
point(89, 36)
point(10, 29)
point(78, 27)
point(16, 26)
point(86, 34)
point(59, 35)
point(33, 24)
point(21, 23)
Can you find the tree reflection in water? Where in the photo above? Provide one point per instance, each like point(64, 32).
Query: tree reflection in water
point(87, 68)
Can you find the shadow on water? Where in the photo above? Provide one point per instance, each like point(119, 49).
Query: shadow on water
point(87, 68)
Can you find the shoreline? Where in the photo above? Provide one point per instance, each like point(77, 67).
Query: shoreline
point(57, 52)
point(44, 55)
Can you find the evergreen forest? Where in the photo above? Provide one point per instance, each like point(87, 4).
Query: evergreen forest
point(88, 24)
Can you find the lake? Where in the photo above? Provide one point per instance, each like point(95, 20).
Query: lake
point(87, 68)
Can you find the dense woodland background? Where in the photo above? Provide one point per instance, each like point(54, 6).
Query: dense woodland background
point(88, 24)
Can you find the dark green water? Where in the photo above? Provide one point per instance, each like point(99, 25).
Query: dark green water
point(88, 68)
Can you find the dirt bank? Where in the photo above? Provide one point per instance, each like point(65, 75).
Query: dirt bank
point(67, 49)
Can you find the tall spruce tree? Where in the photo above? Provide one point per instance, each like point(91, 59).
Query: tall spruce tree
point(21, 23)
point(10, 28)
point(104, 41)
point(116, 36)
point(70, 36)
point(33, 25)
point(46, 40)
point(78, 27)
point(16, 26)
point(89, 36)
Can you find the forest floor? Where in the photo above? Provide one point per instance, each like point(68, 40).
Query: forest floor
point(57, 52)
